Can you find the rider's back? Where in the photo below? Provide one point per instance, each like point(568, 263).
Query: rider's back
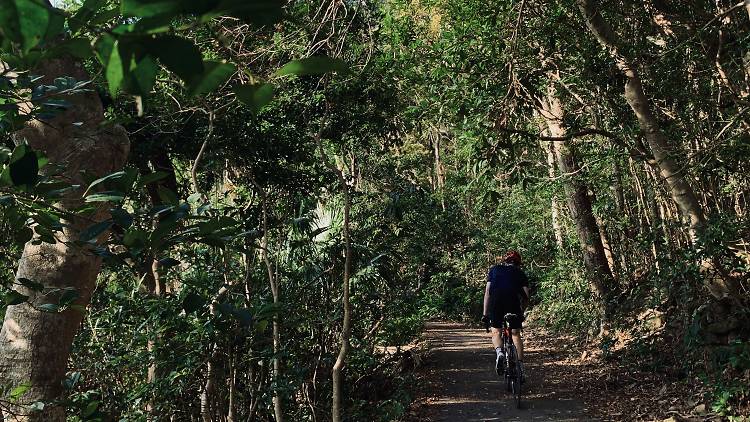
point(507, 279)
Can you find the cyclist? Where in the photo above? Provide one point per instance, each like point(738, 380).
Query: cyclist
point(506, 292)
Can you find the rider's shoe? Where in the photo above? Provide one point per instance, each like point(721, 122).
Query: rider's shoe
point(522, 375)
point(499, 362)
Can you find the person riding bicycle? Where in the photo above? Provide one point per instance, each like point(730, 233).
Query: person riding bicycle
point(506, 292)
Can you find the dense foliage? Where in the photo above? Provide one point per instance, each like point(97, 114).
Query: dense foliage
point(308, 176)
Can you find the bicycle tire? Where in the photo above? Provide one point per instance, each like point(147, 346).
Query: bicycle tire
point(515, 375)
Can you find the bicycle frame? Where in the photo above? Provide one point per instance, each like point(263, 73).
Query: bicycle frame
point(512, 369)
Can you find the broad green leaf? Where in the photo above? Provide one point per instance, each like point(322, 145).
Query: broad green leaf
point(143, 75)
point(168, 262)
point(316, 65)
point(24, 166)
point(90, 409)
point(85, 13)
point(192, 303)
point(37, 406)
point(146, 8)
point(76, 47)
point(179, 55)
point(153, 177)
point(105, 197)
point(24, 22)
point(33, 285)
point(255, 96)
point(71, 380)
point(167, 196)
point(114, 69)
point(12, 297)
point(49, 307)
point(213, 76)
point(100, 180)
point(194, 198)
point(19, 391)
point(135, 238)
point(92, 232)
point(69, 296)
point(121, 217)
point(55, 26)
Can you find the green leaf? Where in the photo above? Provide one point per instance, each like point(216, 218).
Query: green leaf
point(153, 177)
point(69, 296)
point(192, 303)
point(23, 235)
point(114, 70)
point(143, 76)
point(24, 166)
point(24, 22)
point(85, 13)
point(14, 298)
point(179, 55)
point(214, 75)
point(121, 217)
point(167, 196)
point(32, 285)
point(93, 231)
point(19, 391)
point(71, 380)
point(100, 180)
point(316, 65)
point(255, 96)
point(37, 406)
point(110, 196)
point(49, 307)
point(90, 409)
point(168, 262)
point(78, 47)
point(147, 8)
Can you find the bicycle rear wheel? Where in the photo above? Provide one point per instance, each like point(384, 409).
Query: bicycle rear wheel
point(515, 379)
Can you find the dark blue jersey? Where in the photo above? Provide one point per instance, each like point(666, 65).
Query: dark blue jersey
point(506, 282)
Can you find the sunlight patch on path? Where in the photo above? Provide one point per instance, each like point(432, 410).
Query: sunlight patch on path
point(462, 385)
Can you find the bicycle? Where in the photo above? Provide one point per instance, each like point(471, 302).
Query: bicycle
point(512, 367)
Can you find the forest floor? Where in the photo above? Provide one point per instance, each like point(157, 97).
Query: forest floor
point(457, 382)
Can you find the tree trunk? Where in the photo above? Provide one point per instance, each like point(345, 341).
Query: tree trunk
point(666, 156)
point(338, 367)
point(278, 404)
point(579, 203)
point(554, 205)
point(556, 226)
point(35, 345)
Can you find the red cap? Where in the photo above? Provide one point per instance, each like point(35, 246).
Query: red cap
point(512, 257)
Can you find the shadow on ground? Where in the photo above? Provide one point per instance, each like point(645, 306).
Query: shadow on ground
point(462, 385)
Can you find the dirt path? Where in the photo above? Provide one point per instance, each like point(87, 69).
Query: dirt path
point(459, 383)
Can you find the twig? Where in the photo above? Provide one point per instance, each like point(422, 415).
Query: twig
point(194, 169)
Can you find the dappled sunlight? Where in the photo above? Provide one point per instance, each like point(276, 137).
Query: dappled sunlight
point(14, 334)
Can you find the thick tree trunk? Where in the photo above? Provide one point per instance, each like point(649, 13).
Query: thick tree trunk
point(35, 345)
point(579, 203)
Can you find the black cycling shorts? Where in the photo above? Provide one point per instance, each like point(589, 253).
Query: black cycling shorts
point(506, 305)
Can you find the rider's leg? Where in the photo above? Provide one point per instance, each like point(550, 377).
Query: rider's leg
point(518, 341)
point(495, 337)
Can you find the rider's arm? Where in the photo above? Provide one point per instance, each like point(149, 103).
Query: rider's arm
point(486, 299)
